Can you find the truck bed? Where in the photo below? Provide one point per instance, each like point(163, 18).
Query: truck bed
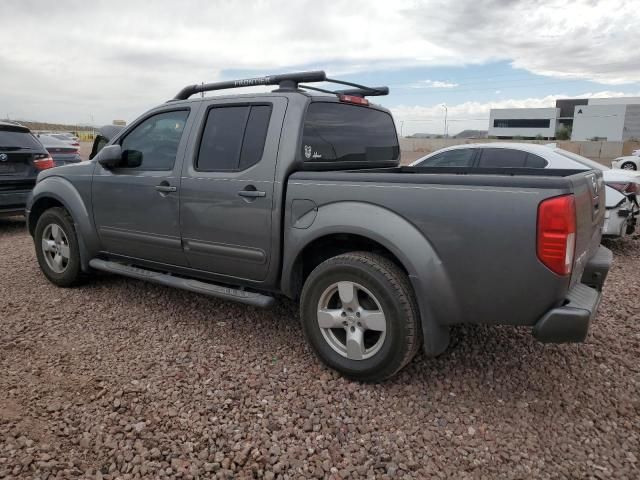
point(477, 228)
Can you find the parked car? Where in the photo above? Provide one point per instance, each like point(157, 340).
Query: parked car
point(62, 137)
point(62, 153)
point(22, 157)
point(533, 156)
point(298, 193)
point(631, 163)
point(619, 217)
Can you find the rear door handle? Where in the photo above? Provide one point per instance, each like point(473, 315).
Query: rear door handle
point(166, 188)
point(252, 193)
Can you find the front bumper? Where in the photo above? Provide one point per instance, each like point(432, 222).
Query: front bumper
point(570, 322)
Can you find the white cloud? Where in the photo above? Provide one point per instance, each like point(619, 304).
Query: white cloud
point(433, 84)
point(475, 115)
point(68, 59)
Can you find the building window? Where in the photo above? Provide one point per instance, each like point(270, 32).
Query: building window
point(522, 123)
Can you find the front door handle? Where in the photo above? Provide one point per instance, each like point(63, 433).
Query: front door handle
point(162, 188)
point(251, 193)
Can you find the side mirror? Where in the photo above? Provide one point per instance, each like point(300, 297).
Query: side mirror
point(110, 156)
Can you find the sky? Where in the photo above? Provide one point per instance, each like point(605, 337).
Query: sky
point(90, 62)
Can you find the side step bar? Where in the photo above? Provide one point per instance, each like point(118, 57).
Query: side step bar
point(211, 289)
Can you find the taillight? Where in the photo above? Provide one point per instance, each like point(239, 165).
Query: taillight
point(42, 162)
point(353, 99)
point(557, 233)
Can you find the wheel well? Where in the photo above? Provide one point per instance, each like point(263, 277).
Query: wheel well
point(323, 248)
point(38, 208)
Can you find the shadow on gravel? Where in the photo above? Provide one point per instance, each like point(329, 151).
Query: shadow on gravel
point(12, 224)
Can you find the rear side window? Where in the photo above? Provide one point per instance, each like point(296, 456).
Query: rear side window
point(233, 138)
point(462, 157)
point(19, 140)
point(337, 132)
point(509, 158)
point(534, 161)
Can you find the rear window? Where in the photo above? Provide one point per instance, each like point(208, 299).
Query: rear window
point(337, 132)
point(12, 138)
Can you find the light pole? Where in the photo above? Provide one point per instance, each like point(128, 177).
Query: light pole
point(446, 111)
point(401, 128)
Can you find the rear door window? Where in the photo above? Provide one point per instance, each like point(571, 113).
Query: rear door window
point(502, 158)
point(233, 138)
point(338, 132)
point(460, 157)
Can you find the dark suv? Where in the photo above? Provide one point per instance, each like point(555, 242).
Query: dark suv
point(22, 156)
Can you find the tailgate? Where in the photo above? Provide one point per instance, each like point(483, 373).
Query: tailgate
point(16, 163)
point(589, 192)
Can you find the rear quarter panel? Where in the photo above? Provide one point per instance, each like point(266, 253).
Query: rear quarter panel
point(470, 248)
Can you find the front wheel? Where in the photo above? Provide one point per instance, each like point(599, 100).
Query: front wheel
point(57, 247)
point(359, 314)
point(628, 166)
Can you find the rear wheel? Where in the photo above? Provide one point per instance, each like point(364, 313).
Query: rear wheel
point(57, 247)
point(628, 166)
point(360, 316)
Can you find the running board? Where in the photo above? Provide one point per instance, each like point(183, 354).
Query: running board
point(211, 289)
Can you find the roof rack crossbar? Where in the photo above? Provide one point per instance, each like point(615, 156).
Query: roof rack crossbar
point(286, 81)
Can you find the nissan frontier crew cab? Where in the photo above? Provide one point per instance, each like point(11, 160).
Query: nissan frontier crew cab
point(298, 192)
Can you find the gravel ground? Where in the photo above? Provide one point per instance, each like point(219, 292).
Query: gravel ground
point(122, 379)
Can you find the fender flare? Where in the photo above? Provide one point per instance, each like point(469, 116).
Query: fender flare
point(64, 192)
point(428, 276)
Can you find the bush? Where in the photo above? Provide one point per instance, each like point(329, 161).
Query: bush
point(563, 133)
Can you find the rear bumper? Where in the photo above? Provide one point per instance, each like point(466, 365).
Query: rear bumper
point(570, 322)
point(13, 202)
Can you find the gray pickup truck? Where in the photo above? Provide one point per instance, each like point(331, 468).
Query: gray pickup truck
point(298, 192)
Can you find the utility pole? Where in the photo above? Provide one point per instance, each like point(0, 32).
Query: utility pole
point(401, 128)
point(446, 111)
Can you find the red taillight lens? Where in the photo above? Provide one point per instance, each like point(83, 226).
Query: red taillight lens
point(353, 99)
point(557, 233)
point(44, 162)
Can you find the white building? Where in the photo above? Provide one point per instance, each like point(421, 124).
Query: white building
point(523, 122)
point(612, 119)
point(613, 122)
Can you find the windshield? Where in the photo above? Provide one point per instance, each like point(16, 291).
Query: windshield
point(580, 159)
point(348, 133)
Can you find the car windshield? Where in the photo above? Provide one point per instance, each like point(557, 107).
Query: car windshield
point(580, 159)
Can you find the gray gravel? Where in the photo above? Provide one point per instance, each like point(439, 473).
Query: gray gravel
point(122, 379)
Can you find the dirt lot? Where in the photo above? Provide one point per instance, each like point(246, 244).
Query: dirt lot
point(122, 379)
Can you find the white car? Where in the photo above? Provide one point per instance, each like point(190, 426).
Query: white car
point(622, 209)
point(636, 152)
point(627, 163)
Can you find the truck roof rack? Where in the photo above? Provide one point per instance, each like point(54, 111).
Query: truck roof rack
point(285, 82)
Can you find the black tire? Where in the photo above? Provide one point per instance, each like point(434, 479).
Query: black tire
point(628, 166)
point(72, 274)
point(391, 289)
